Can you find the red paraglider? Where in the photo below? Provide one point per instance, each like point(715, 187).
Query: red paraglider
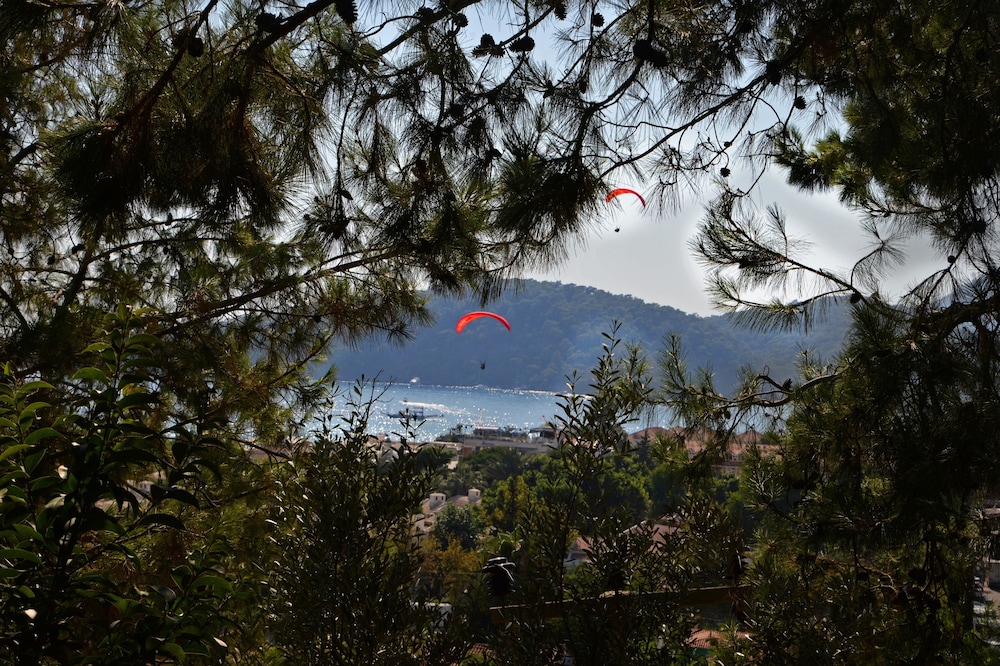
point(624, 190)
point(476, 315)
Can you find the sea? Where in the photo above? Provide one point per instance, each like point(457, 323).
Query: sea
point(456, 408)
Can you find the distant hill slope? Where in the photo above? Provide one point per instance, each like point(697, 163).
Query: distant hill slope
point(557, 329)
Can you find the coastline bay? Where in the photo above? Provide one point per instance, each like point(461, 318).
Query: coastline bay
point(448, 407)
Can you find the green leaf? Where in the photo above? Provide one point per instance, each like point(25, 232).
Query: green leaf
point(27, 532)
point(90, 374)
point(175, 651)
point(44, 520)
point(13, 450)
point(32, 459)
point(179, 450)
point(142, 339)
point(122, 605)
point(20, 554)
point(137, 399)
point(36, 385)
point(41, 433)
point(181, 574)
point(35, 406)
point(97, 520)
point(124, 496)
point(56, 502)
point(181, 495)
point(198, 648)
point(215, 582)
point(165, 592)
point(14, 493)
point(127, 552)
point(165, 519)
point(208, 465)
point(138, 429)
point(45, 482)
point(132, 455)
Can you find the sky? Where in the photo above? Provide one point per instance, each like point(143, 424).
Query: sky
point(650, 256)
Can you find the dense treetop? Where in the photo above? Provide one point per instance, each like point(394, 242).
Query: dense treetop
point(198, 198)
point(270, 177)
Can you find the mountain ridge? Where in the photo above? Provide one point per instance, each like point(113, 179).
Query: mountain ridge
point(558, 329)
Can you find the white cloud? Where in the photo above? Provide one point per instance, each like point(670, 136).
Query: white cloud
point(649, 255)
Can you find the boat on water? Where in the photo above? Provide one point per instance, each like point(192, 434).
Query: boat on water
point(415, 411)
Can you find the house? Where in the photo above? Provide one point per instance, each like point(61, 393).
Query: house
point(697, 442)
point(579, 551)
point(423, 522)
point(535, 440)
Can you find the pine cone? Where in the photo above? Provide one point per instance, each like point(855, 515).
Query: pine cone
point(523, 45)
point(642, 49)
point(348, 10)
point(486, 45)
point(644, 52)
point(658, 59)
point(772, 72)
point(196, 47)
point(267, 22)
point(179, 40)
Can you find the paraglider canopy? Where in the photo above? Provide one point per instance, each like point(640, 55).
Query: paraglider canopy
point(476, 315)
point(624, 190)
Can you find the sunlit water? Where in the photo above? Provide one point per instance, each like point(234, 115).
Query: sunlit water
point(448, 407)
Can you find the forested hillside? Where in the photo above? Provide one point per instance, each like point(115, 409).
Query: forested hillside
point(557, 328)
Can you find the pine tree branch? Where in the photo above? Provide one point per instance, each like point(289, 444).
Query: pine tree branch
point(144, 106)
point(14, 308)
point(689, 124)
point(23, 153)
point(289, 24)
point(943, 322)
point(759, 399)
point(219, 308)
point(436, 16)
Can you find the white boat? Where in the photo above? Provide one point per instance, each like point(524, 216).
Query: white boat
point(415, 411)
